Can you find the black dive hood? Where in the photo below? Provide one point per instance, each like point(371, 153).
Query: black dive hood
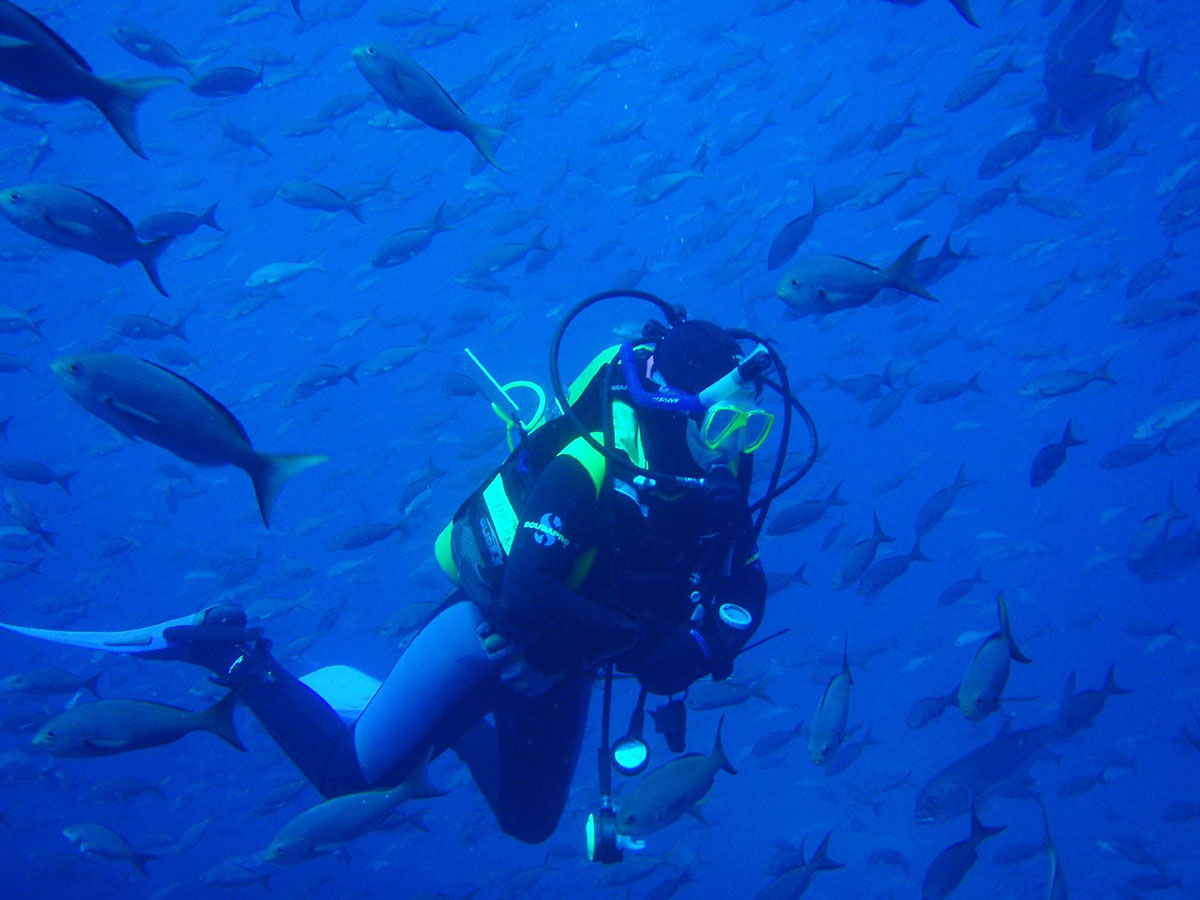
point(652, 334)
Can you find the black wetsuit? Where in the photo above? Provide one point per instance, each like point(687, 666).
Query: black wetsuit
point(634, 607)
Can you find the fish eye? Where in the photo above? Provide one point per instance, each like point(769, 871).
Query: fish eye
point(371, 51)
point(14, 196)
point(795, 282)
point(75, 368)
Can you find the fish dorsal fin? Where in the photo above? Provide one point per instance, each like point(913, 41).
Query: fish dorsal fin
point(45, 31)
point(857, 262)
point(112, 209)
point(429, 75)
point(217, 404)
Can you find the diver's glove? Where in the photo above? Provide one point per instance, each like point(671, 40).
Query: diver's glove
point(680, 658)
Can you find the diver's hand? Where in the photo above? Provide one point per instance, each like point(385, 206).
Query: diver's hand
point(679, 659)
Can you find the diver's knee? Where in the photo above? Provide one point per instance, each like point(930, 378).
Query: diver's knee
point(530, 827)
point(341, 773)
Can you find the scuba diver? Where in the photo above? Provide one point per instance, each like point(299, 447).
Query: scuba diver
point(618, 535)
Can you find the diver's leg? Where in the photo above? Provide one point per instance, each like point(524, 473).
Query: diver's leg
point(305, 727)
point(442, 682)
point(524, 765)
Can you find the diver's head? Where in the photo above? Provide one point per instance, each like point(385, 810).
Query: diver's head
point(695, 354)
point(703, 361)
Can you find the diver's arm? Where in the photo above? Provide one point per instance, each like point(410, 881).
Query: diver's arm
point(708, 647)
point(560, 524)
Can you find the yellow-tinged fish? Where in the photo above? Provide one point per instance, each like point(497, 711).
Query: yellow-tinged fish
point(144, 400)
point(404, 84)
point(667, 793)
point(986, 676)
point(331, 825)
point(118, 726)
point(829, 723)
point(101, 842)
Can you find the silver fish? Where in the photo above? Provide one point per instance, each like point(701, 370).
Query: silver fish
point(331, 825)
point(404, 84)
point(144, 400)
point(68, 217)
point(107, 727)
point(981, 687)
point(949, 867)
point(36, 60)
point(827, 283)
point(829, 722)
point(670, 791)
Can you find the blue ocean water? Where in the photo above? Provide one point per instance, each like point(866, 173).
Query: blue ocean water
point(772, 96)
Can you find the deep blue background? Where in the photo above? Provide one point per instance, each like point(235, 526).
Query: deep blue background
point(1058, 551)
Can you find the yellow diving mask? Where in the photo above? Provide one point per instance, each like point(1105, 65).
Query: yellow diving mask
point(728, 426)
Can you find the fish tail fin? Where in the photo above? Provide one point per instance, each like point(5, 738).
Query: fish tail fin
point(417, 783)
point(178, 328)
point(1102, 373)
point(218, 719)
point(718, 751)
point(355, 209)
point(901, 274)
point(151, 251)
point(1010, 66)
point(139, 861)
point(209, 218)
point(964, 10)
point(880, 535)
point(820, 861)
point(917, 554)
point(439, 222)
point(834, 498)
point(974, 385)
point(1068, 438)
point(118, 99)
point(846, 658)
point(1006, 630)
point(485, 139)
point(760, 690)
point(351, 373)
point(979, 831)
point(1143, 79)
point(64, 481)
point(1110, 684)
point(272, 471)
point(90, 684)
point(817, 206)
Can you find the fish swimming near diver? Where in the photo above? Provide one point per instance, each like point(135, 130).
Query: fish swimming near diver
point(664, 795)
point(331, 825)
point(107, 727)
point(829, 723)
point(823, 283)
point(144, 400)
